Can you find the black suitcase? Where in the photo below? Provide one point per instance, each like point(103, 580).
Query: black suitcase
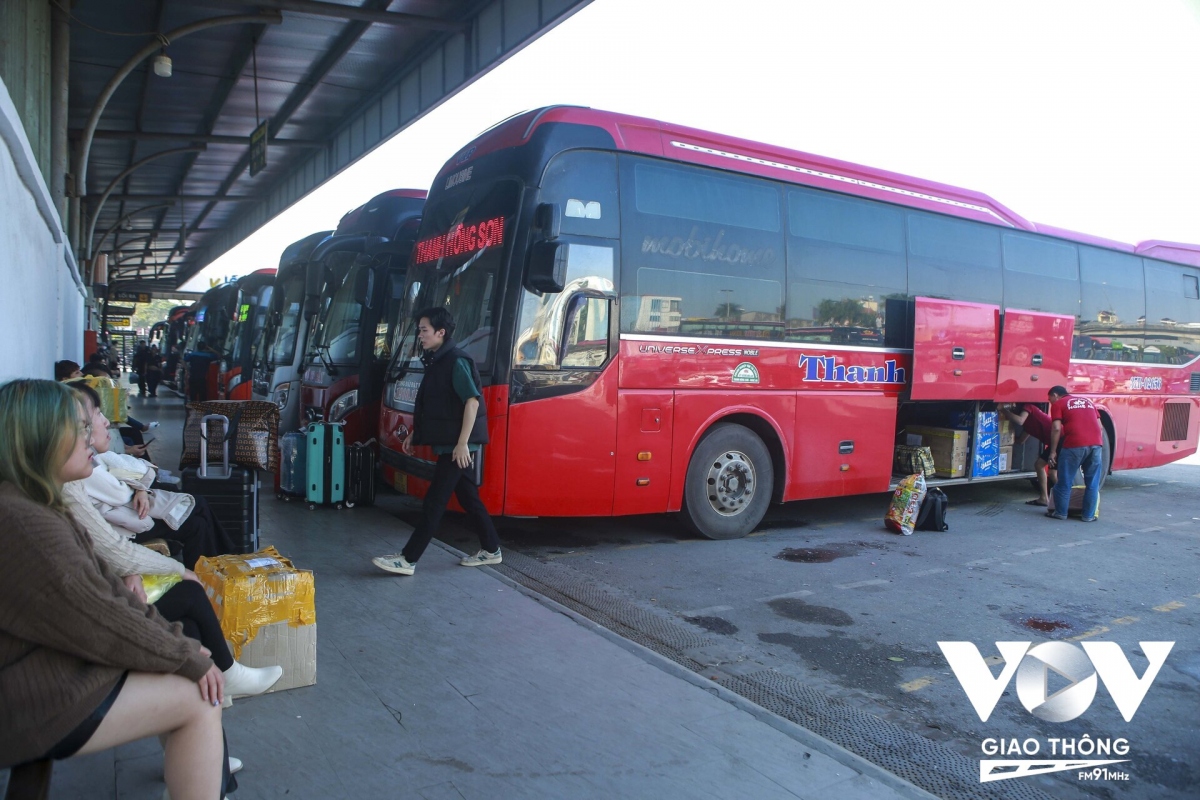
point(360, 475)
point(231, 491)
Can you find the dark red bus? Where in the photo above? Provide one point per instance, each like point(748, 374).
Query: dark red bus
point(245, 334)
point(671, 320)
point(364, 264)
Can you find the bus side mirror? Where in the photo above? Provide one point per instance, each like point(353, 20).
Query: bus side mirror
point(548, 219)
point(314, 278)
point(364, 288)
point(547, 267)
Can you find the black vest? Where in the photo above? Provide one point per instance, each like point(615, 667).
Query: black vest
point(438, 411)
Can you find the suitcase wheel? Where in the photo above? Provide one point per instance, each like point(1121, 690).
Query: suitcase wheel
point(312, 506)
point(349, 504)
point(339, 506)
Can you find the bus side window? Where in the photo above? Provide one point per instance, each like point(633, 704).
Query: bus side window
point(1172, 317)
point(1112, 312)
point(585, 335)
point(584, 184)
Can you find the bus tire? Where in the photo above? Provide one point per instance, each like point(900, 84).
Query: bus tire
point(728, 484)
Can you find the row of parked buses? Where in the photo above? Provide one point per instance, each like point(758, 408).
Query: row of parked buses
point(670, 320)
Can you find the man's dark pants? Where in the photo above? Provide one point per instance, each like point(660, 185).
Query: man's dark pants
point(449, 479)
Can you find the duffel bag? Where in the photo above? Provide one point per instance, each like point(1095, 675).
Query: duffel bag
point(253, 433)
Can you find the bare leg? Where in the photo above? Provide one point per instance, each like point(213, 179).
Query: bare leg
point(156, 704)
point(1043, 481)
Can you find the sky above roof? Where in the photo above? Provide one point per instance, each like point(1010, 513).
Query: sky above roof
point(1075, 113)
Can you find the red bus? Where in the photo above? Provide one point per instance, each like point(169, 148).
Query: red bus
point(245, 333)
point(670, 320)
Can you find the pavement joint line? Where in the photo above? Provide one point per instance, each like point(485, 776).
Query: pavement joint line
point(925, 572)
point(979, 562)
point(1148, 484)
point(799, 733)
point(1099, 629)
point(1150, 530)
point(788, 596)
point(1117, 535)
point(1034, 551)
point(861, 584)
point(1171, 606)
point(1125, 620)
point(704, 612)
point(916, 684)
point(1076, 544)
point(553, 556)
point(637, 546)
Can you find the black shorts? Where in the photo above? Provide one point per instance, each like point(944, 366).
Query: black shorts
point(73, 741)
point(1045, 454)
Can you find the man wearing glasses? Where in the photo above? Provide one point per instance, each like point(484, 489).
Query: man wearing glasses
point(1075, 421)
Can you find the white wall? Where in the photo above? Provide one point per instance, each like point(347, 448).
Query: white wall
point(41, 297)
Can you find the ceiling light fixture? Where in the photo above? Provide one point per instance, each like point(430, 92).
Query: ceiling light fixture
point(162, 65)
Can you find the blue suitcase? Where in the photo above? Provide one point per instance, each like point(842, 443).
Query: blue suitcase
point(293, 464)
point(325, 473)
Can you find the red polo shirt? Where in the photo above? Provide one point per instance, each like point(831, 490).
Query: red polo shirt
point(1037, 424)
point(1080, 421)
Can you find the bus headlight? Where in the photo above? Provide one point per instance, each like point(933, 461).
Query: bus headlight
point(281, 394)
point(343, 406)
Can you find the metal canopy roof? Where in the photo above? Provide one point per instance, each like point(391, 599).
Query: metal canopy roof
point(334, 79)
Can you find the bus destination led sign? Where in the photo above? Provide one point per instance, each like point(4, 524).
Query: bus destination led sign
point(462, 239)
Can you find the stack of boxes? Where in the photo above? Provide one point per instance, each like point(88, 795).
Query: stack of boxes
point(982, 444)
point(950, 448)
point(1008, 437)
point(986, 453)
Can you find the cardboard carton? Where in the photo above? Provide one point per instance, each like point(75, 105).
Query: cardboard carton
point(1008, 433)
point(1006, 459)
point(950, 448)
point(267, 610)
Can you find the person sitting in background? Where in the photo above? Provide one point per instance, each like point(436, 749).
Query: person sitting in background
point(98, 366)
point(65, 370)
point(201, 534)
point(85, 666)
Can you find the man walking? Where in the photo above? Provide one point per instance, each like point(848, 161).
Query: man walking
point(449, 417)
point(1076, 423)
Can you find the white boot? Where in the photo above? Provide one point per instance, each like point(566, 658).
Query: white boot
point(243, 681)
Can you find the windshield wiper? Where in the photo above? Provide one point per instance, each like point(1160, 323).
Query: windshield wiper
point(321, 351)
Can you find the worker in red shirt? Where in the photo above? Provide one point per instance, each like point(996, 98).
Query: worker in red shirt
point(1075, 423)
point(1036, 423)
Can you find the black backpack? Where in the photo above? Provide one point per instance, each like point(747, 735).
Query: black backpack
point(932, 516)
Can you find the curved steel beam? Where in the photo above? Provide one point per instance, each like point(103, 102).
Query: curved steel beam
point(130, 215)
point(95, 215)
point(89, 131)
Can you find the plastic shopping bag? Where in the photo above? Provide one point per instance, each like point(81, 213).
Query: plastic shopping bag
point(906, 505)
point(156, 586)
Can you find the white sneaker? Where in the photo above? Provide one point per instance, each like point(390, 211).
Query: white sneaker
point(243, 681)
point(481, 558)
point(396, 563)
point(235, 765)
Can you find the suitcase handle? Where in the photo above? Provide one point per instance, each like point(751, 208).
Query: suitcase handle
point(225, 468)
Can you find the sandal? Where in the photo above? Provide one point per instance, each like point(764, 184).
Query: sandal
point(1034, 502)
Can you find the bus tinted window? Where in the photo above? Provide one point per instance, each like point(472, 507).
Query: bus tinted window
point(544, 323)
point(844, 258)
point(1040, 274)
point(715, 267)
point(953, 258)
point(1172, 318)
point(703, 196)
point(1112, 306)
point(584, 185)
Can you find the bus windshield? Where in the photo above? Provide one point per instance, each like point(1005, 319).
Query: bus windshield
point(336, 334)
point(281, 330)
point(456, 264)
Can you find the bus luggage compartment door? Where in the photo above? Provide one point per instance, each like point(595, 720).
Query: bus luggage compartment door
point(954, 350)
point(1035, 351)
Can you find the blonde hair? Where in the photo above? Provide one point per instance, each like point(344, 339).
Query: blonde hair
point(39, 421)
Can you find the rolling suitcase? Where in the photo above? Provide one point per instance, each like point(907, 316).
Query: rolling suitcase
point(293, 450)
point(360, 475)
point(231, 491)
point(325, 471)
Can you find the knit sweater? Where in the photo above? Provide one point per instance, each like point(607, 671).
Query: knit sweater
point(113, 546)
point(68, 629)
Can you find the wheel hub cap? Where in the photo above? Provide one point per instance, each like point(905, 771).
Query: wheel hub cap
point(731, 483)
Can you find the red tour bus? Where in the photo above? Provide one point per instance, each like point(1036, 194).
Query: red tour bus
point(670, 320)
point(245, 333)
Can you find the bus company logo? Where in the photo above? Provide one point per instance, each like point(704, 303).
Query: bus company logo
point(825, 369)
point(462, 176)
point(1097, 662)
point(465, 155)
point(745, 372)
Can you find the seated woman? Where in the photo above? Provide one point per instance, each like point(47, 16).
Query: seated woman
point(64, 370)
point(84, 665)
point(185, 602)
point(201, 534)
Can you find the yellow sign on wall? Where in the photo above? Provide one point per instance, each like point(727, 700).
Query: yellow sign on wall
point(120, 322)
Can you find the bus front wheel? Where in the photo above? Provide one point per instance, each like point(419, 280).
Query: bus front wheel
point(729, 483)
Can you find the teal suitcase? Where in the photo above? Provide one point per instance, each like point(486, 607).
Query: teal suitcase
point(325, 471)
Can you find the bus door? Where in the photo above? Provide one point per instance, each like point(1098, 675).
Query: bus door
point(562, 415)
point(1035, 351)
point(955, 347)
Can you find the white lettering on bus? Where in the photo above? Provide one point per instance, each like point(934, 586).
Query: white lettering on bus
point(462, 176)
point(825, 369)
point(707, 249)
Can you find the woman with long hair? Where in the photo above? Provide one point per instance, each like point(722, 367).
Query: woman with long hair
point(84, 664)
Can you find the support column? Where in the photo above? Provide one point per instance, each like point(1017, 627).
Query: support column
point(60, 60)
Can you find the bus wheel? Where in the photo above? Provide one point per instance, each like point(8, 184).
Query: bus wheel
point(728, 484)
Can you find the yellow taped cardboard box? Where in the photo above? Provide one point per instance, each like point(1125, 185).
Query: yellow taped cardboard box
point(950, 448)
point(1008, 434)
point(267, 610)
